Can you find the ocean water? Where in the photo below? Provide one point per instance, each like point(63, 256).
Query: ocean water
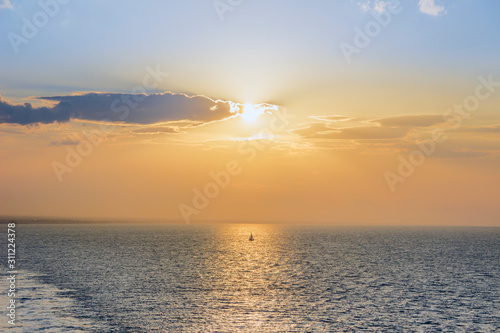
point(210, 278)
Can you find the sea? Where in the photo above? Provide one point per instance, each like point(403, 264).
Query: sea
point(140, 277)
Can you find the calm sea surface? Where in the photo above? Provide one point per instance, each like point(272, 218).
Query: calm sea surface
point(210, 278)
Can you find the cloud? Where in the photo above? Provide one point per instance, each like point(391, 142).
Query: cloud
point(411, 121)
point(480, 129)
point(25, 114)
point(157, 130)
point(380, 6)
point(6, 5)
point(321, 131)
point(397, 134)
point(365, 6)
point(377, 5)
point(389, 127)
point(459, 154)
point(429, 7)
point(65, 142)
point(312, 130)
point(12, 129)
point(117, 107)
point(331, 118)
point(370, 133)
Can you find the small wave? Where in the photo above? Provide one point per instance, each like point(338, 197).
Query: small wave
point(41, 307)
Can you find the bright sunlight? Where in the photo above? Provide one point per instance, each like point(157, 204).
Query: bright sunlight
point(252, 112)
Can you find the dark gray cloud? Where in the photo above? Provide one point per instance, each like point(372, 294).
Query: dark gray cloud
point(116, 107)
point(25, 114)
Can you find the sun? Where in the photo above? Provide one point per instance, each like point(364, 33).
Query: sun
point(251, 112)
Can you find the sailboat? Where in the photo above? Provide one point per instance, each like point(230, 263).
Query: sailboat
point(251, 237)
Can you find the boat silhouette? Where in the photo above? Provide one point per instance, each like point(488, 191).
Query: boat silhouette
point(251, 237)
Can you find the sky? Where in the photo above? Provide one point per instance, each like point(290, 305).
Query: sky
point(340, 112)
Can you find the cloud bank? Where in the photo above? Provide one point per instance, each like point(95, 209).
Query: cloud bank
point(25, 114)
point(117, 107)
point(388, 128)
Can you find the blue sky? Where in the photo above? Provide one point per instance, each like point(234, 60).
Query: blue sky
point(95, 45)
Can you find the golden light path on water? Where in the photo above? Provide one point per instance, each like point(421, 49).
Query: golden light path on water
point(244, 276)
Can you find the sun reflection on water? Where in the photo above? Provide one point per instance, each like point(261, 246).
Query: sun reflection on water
point(243, 277)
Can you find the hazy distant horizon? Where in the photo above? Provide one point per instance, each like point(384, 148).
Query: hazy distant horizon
point(66, 220)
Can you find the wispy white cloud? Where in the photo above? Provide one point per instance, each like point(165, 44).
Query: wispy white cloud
point(6, 5)
point(429, 7)
point(365, 6)
point(377, 5)
point(331, 118)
